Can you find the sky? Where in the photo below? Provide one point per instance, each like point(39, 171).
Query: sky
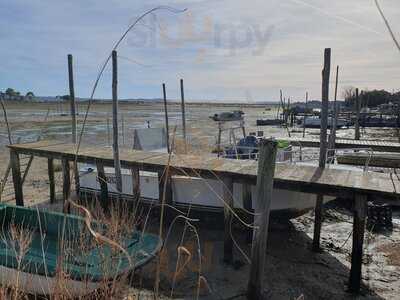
point(225, 50)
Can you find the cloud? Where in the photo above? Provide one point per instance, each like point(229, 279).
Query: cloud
point(224, 49)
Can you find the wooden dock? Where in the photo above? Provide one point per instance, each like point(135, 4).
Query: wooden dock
point(383, 160)
point(352, 185)
point(378, 146)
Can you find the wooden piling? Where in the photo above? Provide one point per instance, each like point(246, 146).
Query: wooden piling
point(73, 115)
point(135, 183)
point(360, 211)
point(72, 97)
point(357, 122)
point(164, 183)
point(183, 115)
point(247, 205)
point(66, 179)
point(166, 117)
point(123, 128)
point(17, 180)
point(265, 177)
point(108, 131)
point(102, 179)
point(305, 116)
point(117, 163)
point(332, 135)
point(227, 188)
point(52, 187)
point(323, 146)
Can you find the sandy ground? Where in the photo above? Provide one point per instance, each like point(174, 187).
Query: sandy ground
point(292, 269)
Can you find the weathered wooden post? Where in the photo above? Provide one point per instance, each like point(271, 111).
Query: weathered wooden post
point(72, 97)
point(183, 115)
point(166, 117)
point(323, 146)
point(360, 212)
point(73, 115)
point(102, 179)
point(66, 181)
point(17, 180)
point(305, 116)
point(247, 205)
point(123, 128)
point(50, 170)
point(117, 163)
point(108, 131)
point(357, 123)
point(332, 136)
point(227, 187)
point(265, 178)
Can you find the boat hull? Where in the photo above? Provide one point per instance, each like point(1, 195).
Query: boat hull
point(204, 194)
point(35, 284)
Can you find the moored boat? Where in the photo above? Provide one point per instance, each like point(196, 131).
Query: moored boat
point(56, 241)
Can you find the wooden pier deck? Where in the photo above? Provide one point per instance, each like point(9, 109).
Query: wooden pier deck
point(378, 146)
point(308, 179)
point(383, 160)
point(352, 185)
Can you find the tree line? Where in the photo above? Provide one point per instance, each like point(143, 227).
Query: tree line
point(12, 94)
point(371, 99)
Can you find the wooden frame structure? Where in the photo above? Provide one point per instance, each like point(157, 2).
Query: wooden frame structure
point(355, 186)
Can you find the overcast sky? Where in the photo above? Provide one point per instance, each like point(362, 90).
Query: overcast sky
point(228, 50)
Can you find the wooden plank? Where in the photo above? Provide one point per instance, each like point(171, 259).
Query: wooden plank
point(265, 179)
point(360, 211)
point(374, 160)
point(17, 180)
point(52, 187)
point(66, 182)
point(227, 194)
point(346, 143)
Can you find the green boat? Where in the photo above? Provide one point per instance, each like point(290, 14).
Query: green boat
point(34, 244)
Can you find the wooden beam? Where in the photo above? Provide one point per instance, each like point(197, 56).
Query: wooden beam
point(265, 177)
point(66, 181)
point(227, 187)
point(117, 163)
point(360, 212)
point(166, 116)
point(102, 179)
point(52, 187)
point(323, 146)
point(17, 180)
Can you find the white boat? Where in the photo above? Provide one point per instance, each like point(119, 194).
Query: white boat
point(315, 122)
point(187, 191)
